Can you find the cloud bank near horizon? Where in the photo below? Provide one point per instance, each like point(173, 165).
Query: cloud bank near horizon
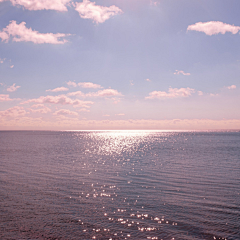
point(67, 120)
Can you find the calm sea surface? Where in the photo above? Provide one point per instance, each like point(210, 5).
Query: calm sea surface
point(119, 185)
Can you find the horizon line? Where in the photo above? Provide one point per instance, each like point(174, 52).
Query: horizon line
point(108, 130)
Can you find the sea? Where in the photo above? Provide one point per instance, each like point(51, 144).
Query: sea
point(168, 185)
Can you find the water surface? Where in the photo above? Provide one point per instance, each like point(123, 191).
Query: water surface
point(119, 185)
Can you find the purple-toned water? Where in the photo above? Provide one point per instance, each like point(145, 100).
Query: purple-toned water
point(119, 185)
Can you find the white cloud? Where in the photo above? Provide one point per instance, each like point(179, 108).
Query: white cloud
point(89, 85)
point(4, 36)
point(65, 112)
point(104, 93)
point(70, 83)
point(98, 14)
point(232, 87)
point(12, 66)
point(172, 93)
point(60, 99)
point(77, 93)
point(148, 80)
point(101, 93)
point(120, 114)
point(37, 105)
point(5, 98)
point(200, 93)
point(20, 33)
point(13, 88)
point(59, 89)
point(40, 108)
point(213, 27)
point(58, 5)
point(13, 112)
point(181, 72)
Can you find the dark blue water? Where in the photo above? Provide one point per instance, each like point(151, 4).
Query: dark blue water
point(119, 185)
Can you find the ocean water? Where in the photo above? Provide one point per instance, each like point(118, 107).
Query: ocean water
point(119, 185)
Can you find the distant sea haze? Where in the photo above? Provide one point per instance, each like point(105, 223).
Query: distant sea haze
point(120, 185)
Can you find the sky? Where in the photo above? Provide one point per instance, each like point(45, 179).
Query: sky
point(119, 64)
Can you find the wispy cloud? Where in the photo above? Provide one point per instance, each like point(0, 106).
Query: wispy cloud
point(213, 27)
point(213, 94)
point(154, 3)
point(120, 114)
point(83, 110)
point(65, 112)
point(70, 83)
point(232, 87)
point(98, 14)
point(172, 93)
point(200, 93)
point(89, 85)
point(60, 99)
point(148, 80)
point(2, 60)
point(177, 72)
point(59, 89)
point(58, 5)
point(20, 33)
point(104, 93)
point(13, 88)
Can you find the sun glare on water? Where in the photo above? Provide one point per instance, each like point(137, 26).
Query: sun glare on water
point(119, 141)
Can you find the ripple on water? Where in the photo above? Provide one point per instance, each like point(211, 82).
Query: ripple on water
point(119, 185)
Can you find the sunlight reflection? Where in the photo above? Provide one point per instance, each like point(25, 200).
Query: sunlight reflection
point(117, 142)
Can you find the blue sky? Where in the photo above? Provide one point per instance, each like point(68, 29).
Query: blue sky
point(169, 64)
